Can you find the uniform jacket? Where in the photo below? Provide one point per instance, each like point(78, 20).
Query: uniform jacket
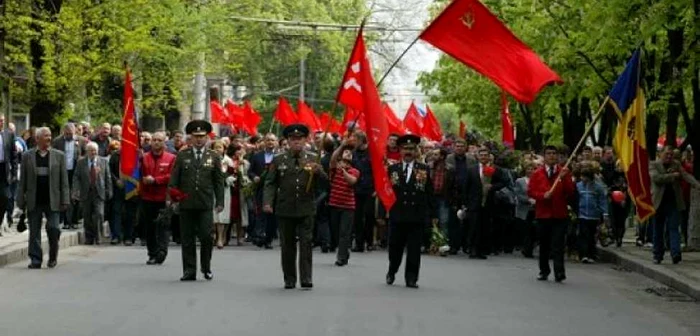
point(59, 193)
point(285, 185)
point(79, 142)
point(160, 168)
point(81, 179)
point(201, 180)
point(556, 207)
point(661, 179)
point(414, 199)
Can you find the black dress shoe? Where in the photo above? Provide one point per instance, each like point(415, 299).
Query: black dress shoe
point(34, 266)
point(51, 264)
point(151, 261)
point(268, 246)
point(677, 259)
point(559, 278)
point(478, 256)
point(114, 241)
point(390, 279)
point(542, 277)
point(188, 277)
point(324, 249)
point(289, 285)
point(357, 250)
point(128, 243)
point(208, 275)
point(454, 251)
point(412, 284)
point(307, 285)
point(341, 263)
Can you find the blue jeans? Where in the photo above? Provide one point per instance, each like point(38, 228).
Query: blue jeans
point(12, 194)
point(667, 218)
point(443, 211)
point(52, 231)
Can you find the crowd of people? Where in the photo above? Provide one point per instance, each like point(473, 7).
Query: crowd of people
point(485, 199)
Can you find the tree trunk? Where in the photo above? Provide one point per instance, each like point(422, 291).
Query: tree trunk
point(652, 134)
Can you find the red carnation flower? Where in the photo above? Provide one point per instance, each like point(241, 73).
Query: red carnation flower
point(176, 195)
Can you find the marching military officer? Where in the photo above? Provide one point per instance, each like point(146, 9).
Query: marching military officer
point(197, 173)
point(411, 212)
point(286, 194)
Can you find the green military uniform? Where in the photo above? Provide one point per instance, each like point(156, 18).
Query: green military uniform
point(201, 179)
point(286, 191)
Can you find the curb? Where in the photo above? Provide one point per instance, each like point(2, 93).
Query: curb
point(659, 273)
point(20, 251)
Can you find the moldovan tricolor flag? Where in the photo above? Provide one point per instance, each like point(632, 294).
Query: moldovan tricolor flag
point(129, 169)
point(627, 97)
point(375, 119)
point(469, 32)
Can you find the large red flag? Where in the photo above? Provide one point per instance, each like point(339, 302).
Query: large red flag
point(352, 115)
point(507, 123)
point(462, 130)
point(251, 119)
point(129, 163)
point(219, 115)
point(413, 121)
point(284, 113)
point(469, 32)
point(395, 124)
point(350, 92)
point(235, 114)
point(431, 126)
point(307, 117)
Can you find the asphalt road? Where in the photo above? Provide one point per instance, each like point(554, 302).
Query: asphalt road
point(110, 291)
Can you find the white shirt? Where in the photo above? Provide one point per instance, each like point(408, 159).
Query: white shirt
point(408, 168)
point(2, 146)
point(481, 170)
point(70, 153)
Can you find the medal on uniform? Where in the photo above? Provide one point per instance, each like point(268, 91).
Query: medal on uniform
point(282, 168)
point(395, 178)
point(421, 177)
point(208, 163)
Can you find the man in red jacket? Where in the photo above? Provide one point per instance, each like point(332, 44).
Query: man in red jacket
point(156, 166)
point(551, 211)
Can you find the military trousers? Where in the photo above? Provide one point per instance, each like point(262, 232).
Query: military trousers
point(289, 226)
point(405, 236)
point(196, 223)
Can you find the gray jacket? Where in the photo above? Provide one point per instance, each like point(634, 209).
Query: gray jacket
point(523, 206)
point(58, 181)
point(661, 179)
point(81, 179)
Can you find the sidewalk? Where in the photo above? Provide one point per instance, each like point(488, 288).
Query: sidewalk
point(14, 246)
point(684, 277)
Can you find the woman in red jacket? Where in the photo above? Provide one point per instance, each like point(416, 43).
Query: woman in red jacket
point(551, 211)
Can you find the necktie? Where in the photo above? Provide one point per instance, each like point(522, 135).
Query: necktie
point(550, 172)
point(199, 155)
point(405, 171)
point(93, 173)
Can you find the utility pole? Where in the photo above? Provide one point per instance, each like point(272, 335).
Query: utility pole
point(302, 78)
point(199, 93)
point(5, 100)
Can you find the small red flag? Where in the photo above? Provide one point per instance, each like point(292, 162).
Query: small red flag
point(469, 32)
point(431, 126)
point(462, 130)
point(219, 115)
point(413, 121)
point(330, 124)
point(307, 117)
point(395, 124)
point(251, 119)
point(235, 114)
point(350, 92)
point(507, 123)
point(284, 113)
point(351, 116)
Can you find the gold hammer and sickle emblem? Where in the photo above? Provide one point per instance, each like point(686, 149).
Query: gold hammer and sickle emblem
point(468, 19)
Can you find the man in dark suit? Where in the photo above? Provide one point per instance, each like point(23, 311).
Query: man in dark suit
point(8, 164)
point(265, 224)
point(43, 191)
point(92, 186)
point(413, 208)
point(73, 147)
point(492, 180)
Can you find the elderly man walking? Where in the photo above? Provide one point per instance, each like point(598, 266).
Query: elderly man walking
point(92, 187)
point(43, 191)
point(73, 146)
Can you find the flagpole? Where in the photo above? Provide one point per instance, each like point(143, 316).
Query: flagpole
point(272, 123)
point(597, 117)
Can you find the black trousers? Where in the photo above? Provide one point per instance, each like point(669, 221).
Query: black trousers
point(527, 232)
point(157, 235)
point(478, 226)
point(586, 238)
point(196, 223)
point(364, 221)
point(405, 236)
point(552, 240)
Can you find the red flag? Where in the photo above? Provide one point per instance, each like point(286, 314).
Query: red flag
point(251, 119)
point(350, 92)
point(507, 123)
point(413, 121)
point(395, 124)
point(377, 128)
point(129, 163)
point(284, 113)
point(307, 117)
point(462, 129)
point(431, 126)
point(218, 114)
point(352, 115)
point(469, 32)
point(235, 114)
point(330, 124)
